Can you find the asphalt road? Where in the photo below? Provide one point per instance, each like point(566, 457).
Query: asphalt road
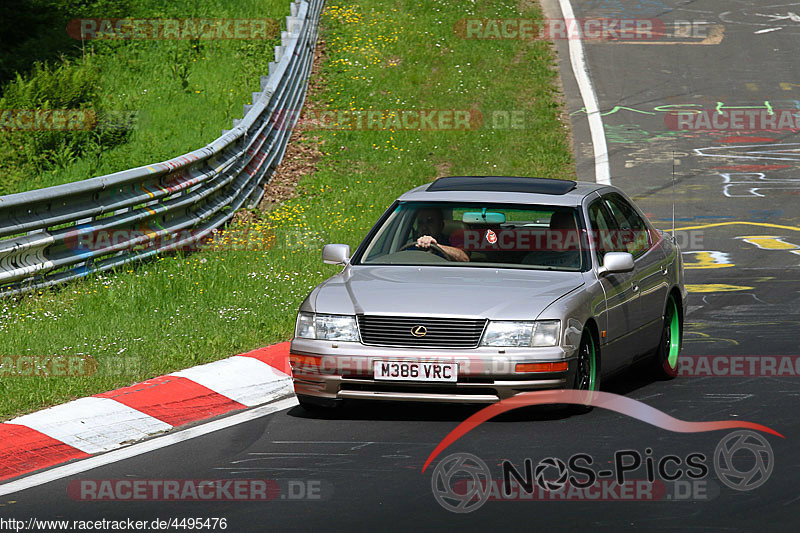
point(365, 463)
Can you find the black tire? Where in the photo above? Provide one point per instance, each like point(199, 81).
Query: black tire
point(587, 369)
point(665, 360)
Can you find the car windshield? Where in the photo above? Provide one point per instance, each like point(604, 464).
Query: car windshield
point(540, 237)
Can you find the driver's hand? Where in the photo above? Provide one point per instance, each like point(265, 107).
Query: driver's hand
point(425, 242)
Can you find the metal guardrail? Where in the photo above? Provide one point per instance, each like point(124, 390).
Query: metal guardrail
point(44, 233)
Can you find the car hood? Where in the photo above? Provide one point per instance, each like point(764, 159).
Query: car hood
point(499, 294)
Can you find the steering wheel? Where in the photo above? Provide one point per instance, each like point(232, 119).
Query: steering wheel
point(434, 248)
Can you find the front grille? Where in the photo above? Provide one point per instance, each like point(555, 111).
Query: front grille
point(441, 332)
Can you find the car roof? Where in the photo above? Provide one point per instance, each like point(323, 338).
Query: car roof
point(503, 189)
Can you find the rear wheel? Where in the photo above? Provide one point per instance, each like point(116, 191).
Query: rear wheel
point(665, 364)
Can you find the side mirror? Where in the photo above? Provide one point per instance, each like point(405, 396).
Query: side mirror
point(337, 254)
point(615, 262)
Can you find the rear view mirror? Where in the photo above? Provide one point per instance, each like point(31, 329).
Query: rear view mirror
point(336, 254)
point(616, 262)
point(483, 217)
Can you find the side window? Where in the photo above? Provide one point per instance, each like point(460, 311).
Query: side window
point(603, 228)
point(633, 237)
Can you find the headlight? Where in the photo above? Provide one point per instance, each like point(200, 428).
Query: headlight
point(508, 333)
point(326, 327)
point(546, 333)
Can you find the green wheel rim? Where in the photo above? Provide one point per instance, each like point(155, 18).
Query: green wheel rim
point(592, 364)
point(674, 335)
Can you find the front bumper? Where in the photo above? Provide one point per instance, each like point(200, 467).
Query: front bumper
point(485, 375)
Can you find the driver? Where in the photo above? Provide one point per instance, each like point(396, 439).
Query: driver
point(430, 224)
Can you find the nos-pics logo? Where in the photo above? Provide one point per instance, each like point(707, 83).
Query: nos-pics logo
point(743, 461)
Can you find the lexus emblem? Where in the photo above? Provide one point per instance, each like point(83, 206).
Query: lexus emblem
point(419, 331)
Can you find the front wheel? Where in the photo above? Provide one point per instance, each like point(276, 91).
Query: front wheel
point(665, 364)
point(587, 373)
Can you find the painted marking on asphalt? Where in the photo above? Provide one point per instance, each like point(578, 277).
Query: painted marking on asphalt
point(143, 447)
point(739, 139)
point(705, 337)
point(602, 171)
point(769, 242)
point(727, 396)
point(720, 224)
point(708, 259)
point(749, 184)
point(715, 287)
point(750, 168)
point(775, 152)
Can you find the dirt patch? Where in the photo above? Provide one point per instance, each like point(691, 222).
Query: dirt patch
point(302, 152)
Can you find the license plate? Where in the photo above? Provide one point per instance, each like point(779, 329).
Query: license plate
point(415, 371)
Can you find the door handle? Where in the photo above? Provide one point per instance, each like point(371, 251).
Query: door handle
point(665, 271)
point(635, 288)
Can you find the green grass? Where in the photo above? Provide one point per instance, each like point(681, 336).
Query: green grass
point(156, 99)
point(178, 312)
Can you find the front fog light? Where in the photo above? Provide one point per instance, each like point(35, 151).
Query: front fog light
point(545, 332)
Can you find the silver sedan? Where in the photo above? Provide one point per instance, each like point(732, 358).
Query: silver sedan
point(474, 289)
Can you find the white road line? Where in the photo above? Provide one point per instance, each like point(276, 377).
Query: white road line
point(83, 465)
point(602, 172)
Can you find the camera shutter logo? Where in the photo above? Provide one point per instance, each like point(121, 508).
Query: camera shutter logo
point(761, 457)
point(548, 464)
point(455, 468)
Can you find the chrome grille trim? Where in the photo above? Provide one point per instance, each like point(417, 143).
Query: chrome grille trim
point(443, 332)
